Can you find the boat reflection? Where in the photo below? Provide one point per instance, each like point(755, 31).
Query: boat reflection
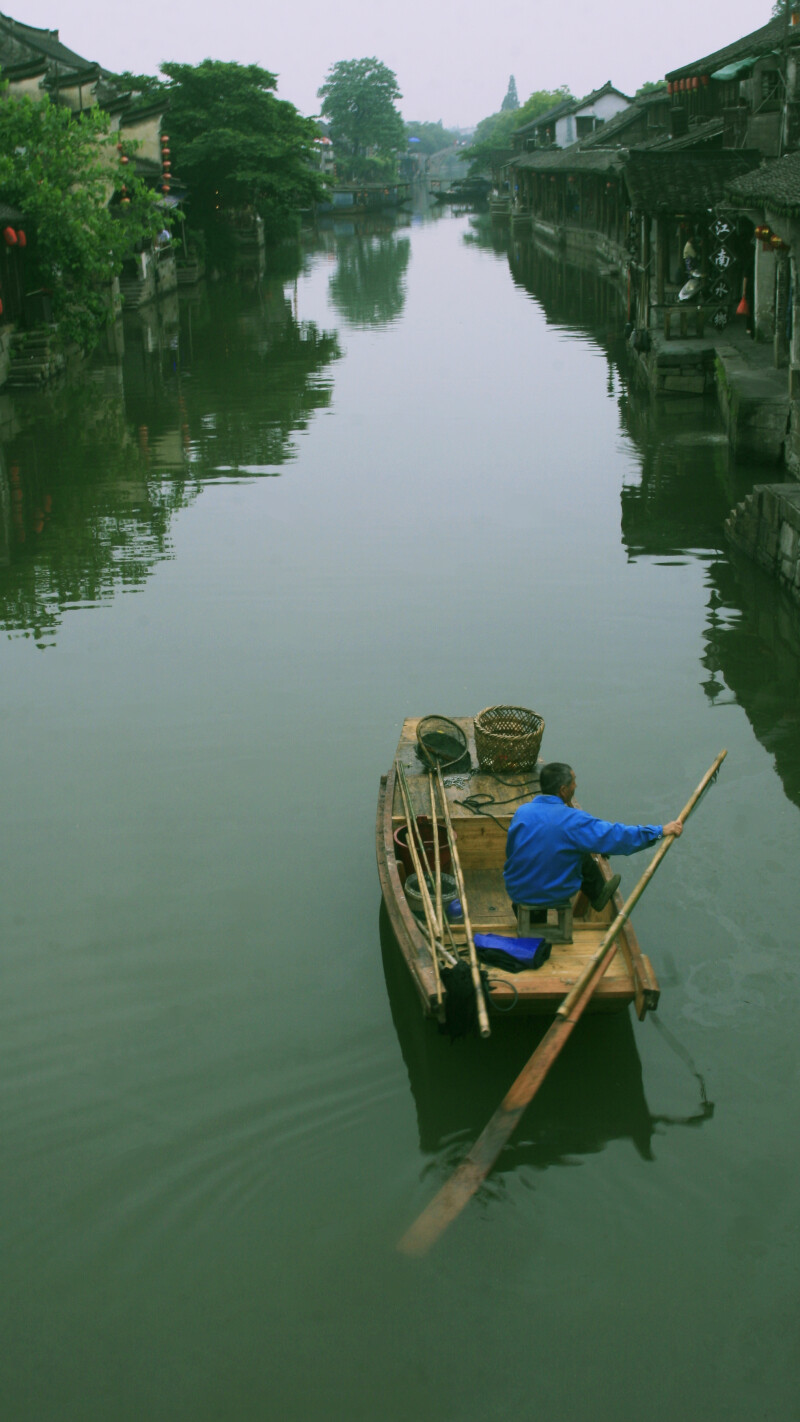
point(594, 1095)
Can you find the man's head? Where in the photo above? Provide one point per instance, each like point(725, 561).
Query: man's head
point(556, 778)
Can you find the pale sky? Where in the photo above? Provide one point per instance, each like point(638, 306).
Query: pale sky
point(452, 61)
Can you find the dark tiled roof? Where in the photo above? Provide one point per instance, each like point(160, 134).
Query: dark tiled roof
point(571, 106)
point(775, 184)
point(570, 160)
point(610, 132)
point(548, 117)
point(684, 181)
point(762, 41)
point(697, 137)
point(19, 43)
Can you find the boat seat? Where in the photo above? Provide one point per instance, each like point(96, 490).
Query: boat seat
point(552, 921)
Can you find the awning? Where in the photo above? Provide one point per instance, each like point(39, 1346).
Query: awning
point(739, 67)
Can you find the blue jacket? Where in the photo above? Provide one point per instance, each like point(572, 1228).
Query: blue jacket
point(547, 841)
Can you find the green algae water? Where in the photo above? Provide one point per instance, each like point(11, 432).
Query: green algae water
point(406, 473)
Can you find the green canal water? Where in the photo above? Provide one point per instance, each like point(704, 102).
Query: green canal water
point(406, 474)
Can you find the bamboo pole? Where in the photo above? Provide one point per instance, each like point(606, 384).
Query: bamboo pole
point(423, 887)
point(480, 1001)
point(459, 1189)
point(437, 859)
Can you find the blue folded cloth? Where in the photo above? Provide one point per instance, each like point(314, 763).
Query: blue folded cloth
point(512, 954)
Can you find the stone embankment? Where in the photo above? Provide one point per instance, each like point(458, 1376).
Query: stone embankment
point(766, 526)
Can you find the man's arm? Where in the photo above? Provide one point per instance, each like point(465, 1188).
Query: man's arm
point(607, 837)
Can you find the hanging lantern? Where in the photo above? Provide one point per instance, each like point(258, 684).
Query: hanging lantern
point(164, 139)
point(21, 238)
point(775, 240)
point(10, 236)
point(670, 87)
point(119, 147)
point(165, 188)
point(125, 202)
point(705, 80)
point(695, 82)
point(167, 166)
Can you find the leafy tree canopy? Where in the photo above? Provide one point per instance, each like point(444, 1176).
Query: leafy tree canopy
point(541, 101)
point(236, 145)
point(359, 103)
point(60, 169)
point(433, 137)
point(653, 86)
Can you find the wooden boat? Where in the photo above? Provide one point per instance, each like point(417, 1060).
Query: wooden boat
point(481, 842)
point(466, 190)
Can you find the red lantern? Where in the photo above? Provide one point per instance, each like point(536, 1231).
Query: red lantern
point(167, 166)
point(10, 236)
point(21, 238)
point(165, 188)
point(125, 202)
point(670, 87)
point(165, 152)
point(704, 80)
point(124, 158)
point(695, 82)
point(165, 138)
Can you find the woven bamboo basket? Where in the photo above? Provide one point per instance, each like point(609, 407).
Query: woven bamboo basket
point(507, 738)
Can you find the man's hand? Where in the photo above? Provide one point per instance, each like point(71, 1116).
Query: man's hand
point(674, 827)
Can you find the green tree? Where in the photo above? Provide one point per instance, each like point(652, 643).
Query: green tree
point(236, 145)
point(433, 137)
point(61, 170)
point(511, 100)
point(653, 86)
point(359, 103)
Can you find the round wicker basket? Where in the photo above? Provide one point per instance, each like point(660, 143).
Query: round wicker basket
point(507, 738)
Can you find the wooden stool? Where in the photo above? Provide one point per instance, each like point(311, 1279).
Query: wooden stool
point(556, 926)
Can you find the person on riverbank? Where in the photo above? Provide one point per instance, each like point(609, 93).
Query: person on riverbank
point(551, 844)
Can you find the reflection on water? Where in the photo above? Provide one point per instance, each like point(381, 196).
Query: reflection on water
point(594, 1095)
point(368, 286)
point(92, 472)
point(753, 656)
point(682, 484)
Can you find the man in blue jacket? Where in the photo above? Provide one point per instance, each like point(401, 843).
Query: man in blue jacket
point(551, 843)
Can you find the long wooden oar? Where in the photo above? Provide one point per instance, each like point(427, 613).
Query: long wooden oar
point(461, 1186)
point(420, 871)
point(480, 1001)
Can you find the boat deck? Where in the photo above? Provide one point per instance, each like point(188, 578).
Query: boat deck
point(480, 842)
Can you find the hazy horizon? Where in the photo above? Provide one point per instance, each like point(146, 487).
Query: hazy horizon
point(451, 63)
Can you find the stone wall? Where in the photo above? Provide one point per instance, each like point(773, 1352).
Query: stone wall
point(766, 526)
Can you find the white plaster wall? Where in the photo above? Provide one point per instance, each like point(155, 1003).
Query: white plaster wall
point(603, 108)
point(18, 87)
point(565, 131)
point(147, 133)
point(607, 106)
